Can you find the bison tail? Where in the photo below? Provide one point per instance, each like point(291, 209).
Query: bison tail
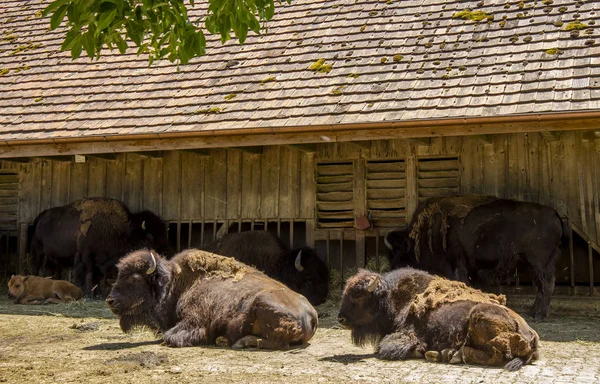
point(566, 231)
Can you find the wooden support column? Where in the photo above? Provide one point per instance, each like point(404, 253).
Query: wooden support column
point(24, 264)
point(310, 233)
point(412, 193)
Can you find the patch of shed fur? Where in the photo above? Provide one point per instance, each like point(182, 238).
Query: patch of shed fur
point(213, 265)
point(449, 206)
point(111, 209)
point(442, 291)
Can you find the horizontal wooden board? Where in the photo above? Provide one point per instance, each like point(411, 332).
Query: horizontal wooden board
point(335, 187)
point(334, 179)
point(8, 208)
point(378, 167)
point(9, 193)
point(335, 196)
point(341, 224)
point(386, 176)
point(334, 170)
point(348, 215)
point(451, 182)
point(382, 214)
point(438, 174)
point(386, 204)
point(385, 193)
point(397, 183)
point(437, 165)
point(434, 192)
point(389, 223)
point(9, 200)
point(9, 186)
point(8, 178)
point(335, 206)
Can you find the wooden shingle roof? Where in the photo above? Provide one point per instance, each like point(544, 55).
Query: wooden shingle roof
point(391, 61)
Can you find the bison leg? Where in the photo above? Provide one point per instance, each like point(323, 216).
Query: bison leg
point(29, 300)
point(544, 277)
point(400, 346)
point(185, 335)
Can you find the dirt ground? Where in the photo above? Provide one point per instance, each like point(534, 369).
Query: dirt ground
point(81, 343)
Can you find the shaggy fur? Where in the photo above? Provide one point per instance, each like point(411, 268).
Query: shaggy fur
point(39, 290)
point(412, 314)
point(483, 239)
point(91, 235)
point(267, 253)
point(199, 297)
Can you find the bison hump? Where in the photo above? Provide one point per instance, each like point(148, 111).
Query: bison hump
point(212, 265)
point(442, 291)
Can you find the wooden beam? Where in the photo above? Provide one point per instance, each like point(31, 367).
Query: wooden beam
point(419, 141)
point(19, 159)
point(154, 154)
point(255, 137)
point(66, 159)
point(550, 135)
point(308, 148)
point(361, 144)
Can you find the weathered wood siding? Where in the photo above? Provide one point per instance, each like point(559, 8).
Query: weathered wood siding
point(280, 182)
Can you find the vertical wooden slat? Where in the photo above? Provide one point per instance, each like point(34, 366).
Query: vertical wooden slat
point(97, 178)
point(192, 188)
point(269, 206)
point(288, 183)
point(412, 195)
point(178, 235)
point(133, 184)
point(114, 177)
point(572, 260)
point(24, 262)
point(307, 186)
point(189, 244)
point(202, 232)
point(28, 196)
point(359, 188)
point(46, 185)
point(170, 185)
point(360, 249)
point(79, 180)
point(215, 200)
point(327, 248)
point(152, 184)
point(251, 185)
point(341, 234)
point(292, 233)
point(591, 267)
point(310, 233)
point(60, 183)
point(234, 184)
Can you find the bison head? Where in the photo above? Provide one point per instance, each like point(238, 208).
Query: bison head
point(401, 248)
point(140, 289)
point(309, 275)
point(15, 286)
point(363, 308)
point(149, 231)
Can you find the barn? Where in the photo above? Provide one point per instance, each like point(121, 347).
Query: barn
point(329, 129)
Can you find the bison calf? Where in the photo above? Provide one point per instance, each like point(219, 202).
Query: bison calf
point(38, 290)
point(409, 313)
point(198, 297)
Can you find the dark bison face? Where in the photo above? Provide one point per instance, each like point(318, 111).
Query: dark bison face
point(149, 231)
point(361, 307)
point(310, 276)
point(401, 249)
point(138, 290)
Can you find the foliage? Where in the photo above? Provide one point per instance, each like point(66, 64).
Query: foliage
point(158, 28)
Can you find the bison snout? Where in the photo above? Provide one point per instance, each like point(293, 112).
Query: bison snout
point(112, 304)
point(341, 320)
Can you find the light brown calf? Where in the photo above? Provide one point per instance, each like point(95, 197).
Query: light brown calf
point(39, 290)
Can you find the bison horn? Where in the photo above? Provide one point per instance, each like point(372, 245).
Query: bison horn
point(153, 266)
point(373, 285)
point(386, 242)
point(298, 262)
point(144, 225)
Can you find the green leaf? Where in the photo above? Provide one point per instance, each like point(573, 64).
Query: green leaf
point(58, 17)
point(71, 38)
point(88, 44)
point(76, 48)
point(53, 6)
point(106, 18)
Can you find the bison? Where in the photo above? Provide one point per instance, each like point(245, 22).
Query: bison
point(300, 269)
point(39, 290)
point(90, 235)
point(199, 298)
point(483, 239)
point(408, 313)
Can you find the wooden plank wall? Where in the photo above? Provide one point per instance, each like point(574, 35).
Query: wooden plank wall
point(280, 182)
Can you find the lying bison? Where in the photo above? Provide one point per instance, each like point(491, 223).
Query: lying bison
point(300, 269)
point(91, 235)
point(39, 290)
point(409, 313)
point(199, 297)
point(483, 239)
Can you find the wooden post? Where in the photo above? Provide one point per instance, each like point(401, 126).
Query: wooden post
point(377, 262)
point(190, 234)
point(310, 233)
point(412, 193)
point(178, 235)
point(24, 262)
point(360, 249)
point(591, 267)
point(572, 260)
point(342, 257)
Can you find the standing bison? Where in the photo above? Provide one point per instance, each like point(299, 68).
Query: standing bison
point(199, 297)
point(409, 313)
point(91, 235)
point(485, 239)
point(300, 269)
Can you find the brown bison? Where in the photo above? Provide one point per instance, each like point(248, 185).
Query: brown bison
point(197, 297)
point(483, 239)
point(90, 235)
point(300, 269)
point(39, 290)
point(409, 313)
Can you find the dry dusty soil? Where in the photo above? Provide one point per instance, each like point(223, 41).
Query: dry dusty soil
point(82, 343)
